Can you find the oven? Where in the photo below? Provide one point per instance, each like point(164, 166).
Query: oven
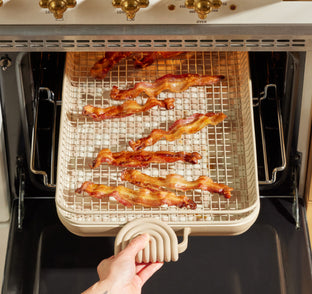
point(256, 241)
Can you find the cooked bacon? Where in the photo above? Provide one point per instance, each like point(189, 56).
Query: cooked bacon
point(174, 181)
point(105, 64)
point(129, 197)
point(143, 158)
point(100, 69)
point(151, 56)
point(173, 83)
point(189, 125)
point(126, 109)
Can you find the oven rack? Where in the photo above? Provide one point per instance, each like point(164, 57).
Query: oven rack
point(227, 149)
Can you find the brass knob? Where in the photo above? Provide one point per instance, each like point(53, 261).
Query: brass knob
point(216, 3)
point(130, 7)
point(1, 3)
point(203, 7)
point(57, 7)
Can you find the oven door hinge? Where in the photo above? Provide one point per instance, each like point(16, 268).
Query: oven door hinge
point(21, 193)
point(295, 176)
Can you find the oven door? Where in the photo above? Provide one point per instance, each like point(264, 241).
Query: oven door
point(271, 257)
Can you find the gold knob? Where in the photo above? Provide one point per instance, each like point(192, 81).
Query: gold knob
point(130, 7)
point(57, 7)
point(216, 3)
point(203, 7)
point(1, 3)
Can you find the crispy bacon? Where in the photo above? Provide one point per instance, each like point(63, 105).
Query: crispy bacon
point(173, 83)
point(105, 64)
point(126, 109)
point(100, 69)
point(151, 56)
point(143, 158)
point(129, 197)
point(174, 181)
point(189, 125)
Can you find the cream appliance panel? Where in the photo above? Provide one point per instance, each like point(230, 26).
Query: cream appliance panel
point(160, 12)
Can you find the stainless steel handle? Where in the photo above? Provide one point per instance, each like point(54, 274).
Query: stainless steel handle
point(48, 182)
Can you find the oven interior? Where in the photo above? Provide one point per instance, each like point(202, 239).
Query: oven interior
point(274, 75)
point(36, 231)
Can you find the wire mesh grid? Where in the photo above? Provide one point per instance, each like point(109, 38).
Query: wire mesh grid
point(227, 149)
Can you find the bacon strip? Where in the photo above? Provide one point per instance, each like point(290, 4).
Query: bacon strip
point(129, 197)
point(189, 125)
point(100, 69)
point(173, 83)
point(174, 181)
point(126, 109)
point(151, 56)
point(105, 64)
point(142, 158)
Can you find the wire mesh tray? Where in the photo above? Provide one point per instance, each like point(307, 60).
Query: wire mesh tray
point(228, 149)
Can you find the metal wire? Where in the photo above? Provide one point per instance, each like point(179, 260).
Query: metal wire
point(223, 147)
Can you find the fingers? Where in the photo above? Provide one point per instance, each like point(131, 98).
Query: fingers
point(149, 270)
point(136, 245)
point(139, 267)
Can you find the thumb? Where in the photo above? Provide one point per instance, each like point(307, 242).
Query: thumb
point(137, 244)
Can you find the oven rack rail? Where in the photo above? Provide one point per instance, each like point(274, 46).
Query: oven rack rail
point(270, 174)
point(48, 177)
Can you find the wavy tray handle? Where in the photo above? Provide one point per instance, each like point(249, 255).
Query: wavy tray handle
point(163, 245)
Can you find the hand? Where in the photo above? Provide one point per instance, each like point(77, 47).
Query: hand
point(120, 273)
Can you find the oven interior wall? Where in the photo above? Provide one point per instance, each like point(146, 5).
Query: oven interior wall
point(47, 71)
point(20, 95)
point(283, 70)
